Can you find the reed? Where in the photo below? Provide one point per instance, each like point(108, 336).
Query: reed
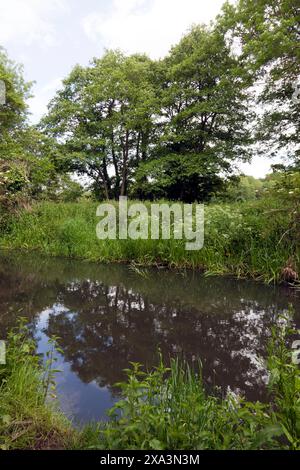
point(251, 239)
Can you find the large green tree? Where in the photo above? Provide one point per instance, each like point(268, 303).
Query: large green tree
point(204, 118)
point(104, 118)
point(27, 164)
point(13, 111)
point(268, 32)
point(170, 128)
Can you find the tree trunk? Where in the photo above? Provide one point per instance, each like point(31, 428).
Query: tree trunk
point(115, 163)
point(106, 180)
point(125, 163)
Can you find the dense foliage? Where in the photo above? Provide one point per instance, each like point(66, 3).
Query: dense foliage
point(172, 128)
point(155, 129)
point(26, 421)
point(256, 238)
point(268, 34)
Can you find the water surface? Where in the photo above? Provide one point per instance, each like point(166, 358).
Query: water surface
point(109, 315)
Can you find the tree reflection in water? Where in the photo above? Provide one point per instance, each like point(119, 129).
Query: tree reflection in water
point(107, 316)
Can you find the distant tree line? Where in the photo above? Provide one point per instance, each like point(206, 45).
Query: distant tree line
point(171, 128)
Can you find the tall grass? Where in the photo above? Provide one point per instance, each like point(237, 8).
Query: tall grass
point(250, 239)
point(27, 421)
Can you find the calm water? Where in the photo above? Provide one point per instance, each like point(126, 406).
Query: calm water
point(107, 316)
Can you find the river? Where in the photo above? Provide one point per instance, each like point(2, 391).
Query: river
point(107, 316)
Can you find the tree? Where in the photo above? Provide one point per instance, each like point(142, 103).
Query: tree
point(170, 128)
point(12, 118)
point(103, 116)
point(203, 118)
point(242, 188)
point(26, 163)
point(269, 35)
point(13, 111)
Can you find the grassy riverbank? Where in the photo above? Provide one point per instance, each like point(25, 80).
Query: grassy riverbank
point(255, 239)
point(163, 409)
point(26, 421)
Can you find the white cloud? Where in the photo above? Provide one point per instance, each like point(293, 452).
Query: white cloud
point(127, 5)
point(54, 85)
point(150, 26)
point(38, 104)
point(29, 21)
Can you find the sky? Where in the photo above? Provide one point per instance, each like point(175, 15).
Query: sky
point(50, 36)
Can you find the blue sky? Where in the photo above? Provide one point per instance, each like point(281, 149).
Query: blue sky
point(50, 36)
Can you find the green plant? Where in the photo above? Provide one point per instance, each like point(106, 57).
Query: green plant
point(27, 418)
point(169, 409)
point(166, 408)
point(249, 239)
point(285, 383)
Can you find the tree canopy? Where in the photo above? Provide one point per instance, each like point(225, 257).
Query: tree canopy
point(171, 128)
point(27, 156)
point(269, 36)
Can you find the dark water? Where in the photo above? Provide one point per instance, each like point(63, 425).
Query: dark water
point(107, 316)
